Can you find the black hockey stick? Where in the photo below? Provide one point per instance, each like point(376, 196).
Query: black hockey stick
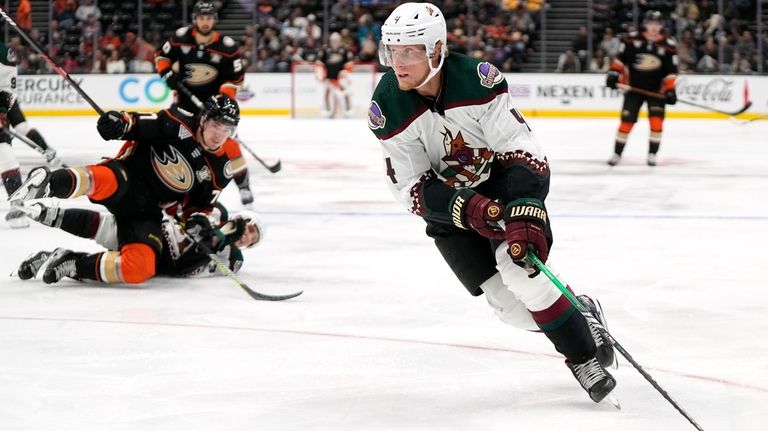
point(607, 335)
point(48, 60)
point(24, 139)
point(187, 92)
point(626, 88)
point(234, 277)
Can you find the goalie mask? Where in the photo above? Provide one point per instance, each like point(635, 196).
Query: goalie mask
point(419, 24)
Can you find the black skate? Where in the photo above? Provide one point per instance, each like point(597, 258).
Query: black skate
point(32, 264)
point(36, 186)
point(16, 217)
point(605, 353)
point(60, 264)
point(594, 379)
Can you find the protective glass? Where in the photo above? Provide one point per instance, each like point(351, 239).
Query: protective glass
point(402, 55)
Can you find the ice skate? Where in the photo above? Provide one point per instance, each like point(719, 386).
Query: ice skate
point(52, 161)
point(16, 217)
point(246, 196)
point(605, 353)
point(36, 186)
point(595, 380)
point(60, 264)
point(41, 213)
point(29, 267)
point(614, 160)
point(651, 159)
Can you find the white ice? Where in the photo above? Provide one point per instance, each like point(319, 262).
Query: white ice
point(384, 337)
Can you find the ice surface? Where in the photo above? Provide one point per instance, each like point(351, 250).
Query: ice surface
point(384, 337)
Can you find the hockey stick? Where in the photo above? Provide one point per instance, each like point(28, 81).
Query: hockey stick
point(48, 60)
point(187, 92)
point(222, 266)
point(24, 139)
point(607, 335)
point(749, 120)
point(626, 88)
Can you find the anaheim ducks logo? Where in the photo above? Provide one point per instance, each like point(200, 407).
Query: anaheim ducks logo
point(199, 74)
point(647, 62)
point(174, 170)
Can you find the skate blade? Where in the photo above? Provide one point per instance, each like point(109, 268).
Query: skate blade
point(613, 401)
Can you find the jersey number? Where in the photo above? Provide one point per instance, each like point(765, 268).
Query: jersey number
point(519, 118)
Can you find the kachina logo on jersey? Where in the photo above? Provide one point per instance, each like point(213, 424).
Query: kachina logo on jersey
point(154, 90)
point(376, 118)
point(489, 74)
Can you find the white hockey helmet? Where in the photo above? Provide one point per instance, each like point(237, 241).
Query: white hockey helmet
point(255, 230)
point(414, 24)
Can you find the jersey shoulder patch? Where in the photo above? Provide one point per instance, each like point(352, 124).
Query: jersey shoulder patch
point(470, 81)
point(391, 110)
point(182, 31)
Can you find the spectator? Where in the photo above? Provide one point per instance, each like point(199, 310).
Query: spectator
point(86, 9)
point(115, 64)
point(600, 61)
point(579, 43)
point(708, 62)
point(610, 43)
point(69, 64)
point(367, 25)
point(568, 62)
point(110, 41)
point(66, 18)
point(24, 15)
point(745, 44)
point(99, 64)
point(740, 64)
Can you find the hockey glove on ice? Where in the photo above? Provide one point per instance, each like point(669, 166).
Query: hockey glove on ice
point(525, 221)
point(113, 125)
point(471, 210)
point(670, 97)
point(612, 79)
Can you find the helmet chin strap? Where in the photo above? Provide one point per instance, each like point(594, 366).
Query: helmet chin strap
point(433, 70)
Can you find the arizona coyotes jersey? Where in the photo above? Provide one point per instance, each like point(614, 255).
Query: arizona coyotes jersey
point(334, 61)
point(165, 159)
point(469, 135)
point(203, 68)
point(647, 64)
point(7, 70)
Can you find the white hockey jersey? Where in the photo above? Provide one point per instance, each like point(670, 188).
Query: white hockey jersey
point(432, 148)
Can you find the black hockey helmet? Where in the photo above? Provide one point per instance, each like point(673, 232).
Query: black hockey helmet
point(204, 8)
point(221, 109)
point(653, 15)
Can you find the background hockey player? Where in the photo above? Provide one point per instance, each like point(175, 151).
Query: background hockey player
point(207, 63)
point(170, 158)
point(13, 114)
point(459, 154)
point(335, 59)
point(649, 61)
point(180, 256)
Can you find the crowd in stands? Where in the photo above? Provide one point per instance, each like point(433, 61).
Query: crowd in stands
point(707, 41)
point(107, 37)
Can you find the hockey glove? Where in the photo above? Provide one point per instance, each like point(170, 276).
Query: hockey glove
point(471, 210)
point(7, 99)
point(230, 232)
point(525, 221)
point(199, 228)
point(171, 78)
point(670, 97)
point(113, 125)
point(612, 79)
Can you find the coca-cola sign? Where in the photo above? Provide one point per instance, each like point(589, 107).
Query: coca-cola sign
point(702, 89)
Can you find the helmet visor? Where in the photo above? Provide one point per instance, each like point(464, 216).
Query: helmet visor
point(402, 55)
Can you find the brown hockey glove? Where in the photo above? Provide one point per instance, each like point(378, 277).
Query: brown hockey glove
point(525, 222)
point(471, 210)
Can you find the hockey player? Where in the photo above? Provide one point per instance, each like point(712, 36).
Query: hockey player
point(334, 60)
point(180, 256)
point(649, 61)
point(13, 115)
point(459, 154)
point(207, 63)
point(169, 158)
